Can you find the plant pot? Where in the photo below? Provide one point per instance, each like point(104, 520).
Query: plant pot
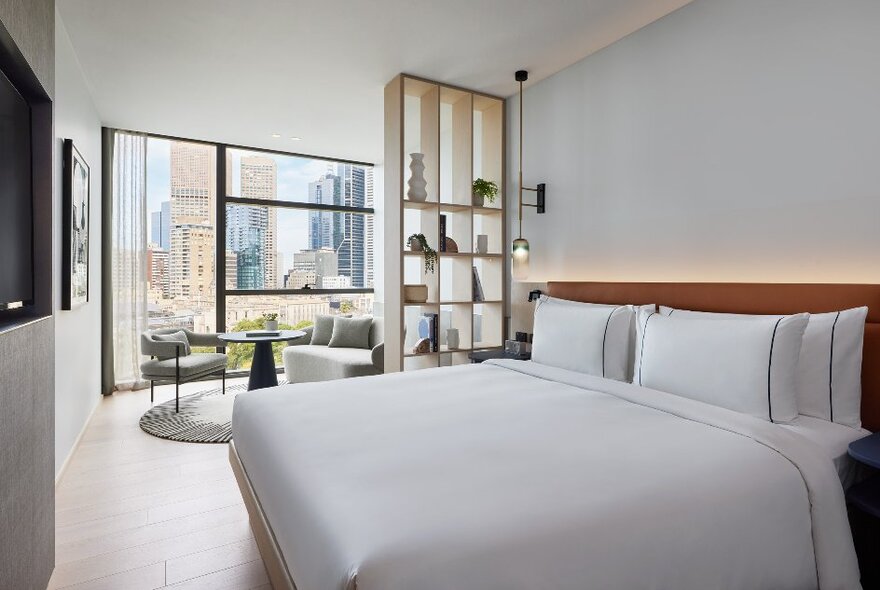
point(272, 325)
point(479, 200)
point(415, 293)
point(415, 246)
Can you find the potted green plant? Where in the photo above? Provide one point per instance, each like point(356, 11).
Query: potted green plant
point(271, 321)
point(484, 190)
point(418, 243)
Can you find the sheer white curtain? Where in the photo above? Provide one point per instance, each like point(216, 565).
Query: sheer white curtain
point(129, 255)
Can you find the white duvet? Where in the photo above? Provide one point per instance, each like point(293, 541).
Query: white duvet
point(511, 475)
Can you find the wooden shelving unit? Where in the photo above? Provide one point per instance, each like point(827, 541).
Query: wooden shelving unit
point(462, 136)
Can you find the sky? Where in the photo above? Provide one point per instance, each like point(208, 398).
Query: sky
point(294, 176)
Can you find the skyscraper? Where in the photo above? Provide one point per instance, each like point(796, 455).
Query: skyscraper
point(259, 180)
point(191, 218)
point(231, 270)
point(324, 191)
point(351, 247)
point(192, 261)
point(369, 232)
point(160, 226)
point(246, 229)
point(157, 270)
point(156, 228)
point(193, 183)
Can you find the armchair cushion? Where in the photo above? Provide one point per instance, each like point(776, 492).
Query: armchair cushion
point(179, 336)
point(323, 330)
point(308, 363)
point(190, 366)
point(351, 332)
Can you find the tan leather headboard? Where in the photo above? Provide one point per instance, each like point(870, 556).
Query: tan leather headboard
point(757, 299)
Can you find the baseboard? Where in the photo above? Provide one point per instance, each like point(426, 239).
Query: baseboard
point(76, 442)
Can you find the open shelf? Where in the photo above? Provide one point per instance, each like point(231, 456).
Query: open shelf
point(407, 204)
point(461, 136)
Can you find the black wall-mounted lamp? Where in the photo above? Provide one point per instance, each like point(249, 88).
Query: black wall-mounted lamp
point(520, 247)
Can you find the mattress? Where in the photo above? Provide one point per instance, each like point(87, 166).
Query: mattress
point(511, 475)
point(834, 440)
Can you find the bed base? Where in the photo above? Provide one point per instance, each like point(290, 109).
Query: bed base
point(276, 567)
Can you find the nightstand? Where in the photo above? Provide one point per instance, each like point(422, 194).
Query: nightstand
point(478, 356)
point(866, 495)
point(863, 501)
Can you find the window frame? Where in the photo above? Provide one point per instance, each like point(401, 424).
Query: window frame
point(221, 292)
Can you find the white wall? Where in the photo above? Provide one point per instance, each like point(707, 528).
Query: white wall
point(77, 332)
point(729, 141)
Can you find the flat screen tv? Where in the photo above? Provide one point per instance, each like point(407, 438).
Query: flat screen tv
point(16, 210)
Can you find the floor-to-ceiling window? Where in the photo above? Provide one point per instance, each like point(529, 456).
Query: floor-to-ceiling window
point(181, 226)
point(236, 234)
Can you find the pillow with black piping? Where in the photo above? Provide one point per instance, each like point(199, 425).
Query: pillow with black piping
point(828, 380)
point(583, 337)
point(747, 365)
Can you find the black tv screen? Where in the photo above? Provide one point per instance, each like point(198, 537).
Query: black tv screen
point(16, 212)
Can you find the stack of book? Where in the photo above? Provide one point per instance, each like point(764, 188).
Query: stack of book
point(429, 328)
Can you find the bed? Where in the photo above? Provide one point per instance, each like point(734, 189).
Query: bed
point(517, 475)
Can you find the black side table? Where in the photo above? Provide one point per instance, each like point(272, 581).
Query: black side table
point(263, 365)
point(863, 500)
point(478, 356)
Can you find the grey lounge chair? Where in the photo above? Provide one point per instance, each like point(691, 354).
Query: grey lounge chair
point(169, 364)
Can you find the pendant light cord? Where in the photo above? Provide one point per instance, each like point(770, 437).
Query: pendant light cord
point(520, 156)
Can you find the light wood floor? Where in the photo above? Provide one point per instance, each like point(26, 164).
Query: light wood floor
point(137, 512)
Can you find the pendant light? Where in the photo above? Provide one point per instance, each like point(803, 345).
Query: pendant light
point(520, 248)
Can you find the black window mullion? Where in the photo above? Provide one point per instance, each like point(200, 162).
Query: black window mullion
point(220, 240)
point(299, 205)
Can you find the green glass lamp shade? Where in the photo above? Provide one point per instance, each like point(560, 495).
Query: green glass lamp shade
point(520, 255)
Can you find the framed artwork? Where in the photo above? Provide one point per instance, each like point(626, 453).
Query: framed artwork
point(75, 258)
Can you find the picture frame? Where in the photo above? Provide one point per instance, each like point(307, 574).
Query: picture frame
point(75, 224)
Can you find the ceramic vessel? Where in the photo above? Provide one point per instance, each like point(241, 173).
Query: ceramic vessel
point(271, 325)
point(482, 244)
point(479, 200)
point(452, 339)
point(417, 183)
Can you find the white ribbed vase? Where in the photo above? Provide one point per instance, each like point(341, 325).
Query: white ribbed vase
point(417, 183)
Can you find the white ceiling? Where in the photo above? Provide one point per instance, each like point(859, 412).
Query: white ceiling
point(240, 70)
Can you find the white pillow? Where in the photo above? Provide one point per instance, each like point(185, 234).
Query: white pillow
point(583, 337)
point(829, 373)
point(747, 365)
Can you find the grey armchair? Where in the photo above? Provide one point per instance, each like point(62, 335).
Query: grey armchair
point(169, 363)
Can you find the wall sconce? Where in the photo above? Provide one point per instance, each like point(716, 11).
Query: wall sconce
point(520, 247)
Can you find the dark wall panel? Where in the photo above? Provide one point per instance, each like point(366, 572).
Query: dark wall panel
point(27, 421)
point(27, 352)
point(32, 24)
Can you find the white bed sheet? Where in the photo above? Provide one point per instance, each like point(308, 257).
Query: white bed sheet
point(834, 440)
point(515, 476)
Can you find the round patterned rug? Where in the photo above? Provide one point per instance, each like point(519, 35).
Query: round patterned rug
point(204, 417)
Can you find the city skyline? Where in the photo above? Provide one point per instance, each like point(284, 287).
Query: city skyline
point(292, 230)
point(182, 193)
point(293, 177)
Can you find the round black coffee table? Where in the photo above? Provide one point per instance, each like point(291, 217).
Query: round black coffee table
point(263, 365)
